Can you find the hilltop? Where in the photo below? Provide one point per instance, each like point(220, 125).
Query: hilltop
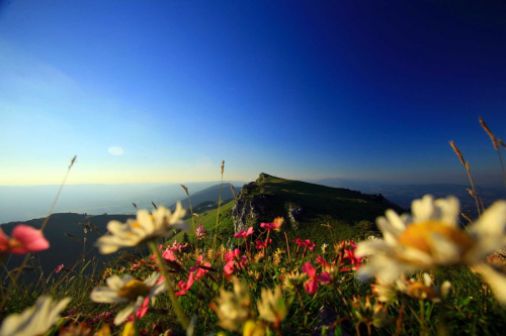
point(309, 209)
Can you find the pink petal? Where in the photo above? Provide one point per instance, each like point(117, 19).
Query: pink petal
point(31, 239)
point(311, 286)
point(4, 241)
point(324, 278)
point(309, 269)
point(143, 309)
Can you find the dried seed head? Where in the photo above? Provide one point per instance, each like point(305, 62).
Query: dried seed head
point(185, 188)
point(222, 167)
point(72, 161)
point(458, 153)
point(493, 138)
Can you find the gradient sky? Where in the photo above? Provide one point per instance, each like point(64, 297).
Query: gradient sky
point(162, 91)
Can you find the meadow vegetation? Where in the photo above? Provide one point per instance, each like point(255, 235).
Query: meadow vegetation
point(430, 271)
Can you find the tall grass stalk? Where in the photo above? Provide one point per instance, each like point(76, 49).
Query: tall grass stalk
point(181, 316)
point(190, 206)
point(496, 144)
point(215, 233)
point(17, 272)
point(467, 168)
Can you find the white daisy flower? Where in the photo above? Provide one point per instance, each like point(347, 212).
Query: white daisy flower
point(127, 289)
point(431, 237)
point(145, 227)
point(35, 320)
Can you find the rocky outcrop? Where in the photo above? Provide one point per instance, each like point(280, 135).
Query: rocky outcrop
point(254, 205)
point(249, 207)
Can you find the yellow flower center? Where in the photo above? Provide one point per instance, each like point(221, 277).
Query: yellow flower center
point(136, 224)
point(14, 243)
point(420, 291)
point(418, 236)
point(133, 289)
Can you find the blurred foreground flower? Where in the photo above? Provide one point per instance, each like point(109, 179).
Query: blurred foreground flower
point(432, 237)
point(311, 285)
point(244, 233)
point(200, 232)
point(59, 268)
point(254, 328)
point(272, 307)
point(233, 308)
point(24, 239)
point(145, 227)
point(275, 225)
point(126, 289)
point(421, 287)
point(35, 320)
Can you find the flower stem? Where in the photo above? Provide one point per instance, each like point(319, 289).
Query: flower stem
point(183, 320)
point(423, 323)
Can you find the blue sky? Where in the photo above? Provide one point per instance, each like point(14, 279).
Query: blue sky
point(360, 90)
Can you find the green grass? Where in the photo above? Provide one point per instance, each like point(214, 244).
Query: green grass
point(339, 307)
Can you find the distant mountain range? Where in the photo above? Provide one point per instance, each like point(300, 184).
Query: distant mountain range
point(66, 231)
point(404, 194)
point(19, 203)
point(208, 198)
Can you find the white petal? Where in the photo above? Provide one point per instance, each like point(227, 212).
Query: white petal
point(423, 208)
point(492, 222)
point(145, 221)
point(390, 234)
point(444, 251)
point(115, 282)
point(495, 280)
point(371, 247)
point(427, 280)
point(151, 279)
point(115, 227)
point(124, 314)
point(105, 296)
point(416, 257)
point(449, 209)
point(395, 220)
point(178, 214)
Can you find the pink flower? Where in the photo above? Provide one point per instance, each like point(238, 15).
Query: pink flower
point(59, 268)
point(184, 286)
point(323, 263)
point(311, 285)
point(169, 255)
point(200, 232)
point(170, 252)
point(306, 244)
point(244, 233)
point(275, 225)
point(233, 261)
point(143, 309)
point(196, 273)
point(201, 267)
point(348, 261)
point(25, 239)
point(260, 245)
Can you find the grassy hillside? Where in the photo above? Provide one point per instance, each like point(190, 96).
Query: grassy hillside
point(316, 211)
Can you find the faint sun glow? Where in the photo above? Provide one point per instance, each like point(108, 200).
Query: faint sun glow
point(116, 150)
